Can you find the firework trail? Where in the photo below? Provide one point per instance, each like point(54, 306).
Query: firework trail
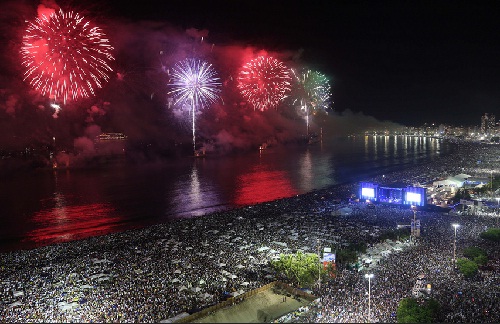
point(65, 56)
point(311, 92)
point(264, 82)
point(195, 83)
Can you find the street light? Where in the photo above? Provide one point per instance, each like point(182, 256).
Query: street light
point(319, 266)
point(455, 241)
point(414, 227)
point(498, 208)
point(369, 276)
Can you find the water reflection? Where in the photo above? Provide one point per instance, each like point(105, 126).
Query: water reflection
point(65, 223)
point(261, 185)
point(195, 194)
point(386, 145)
point(306, 171)
point(194, 185)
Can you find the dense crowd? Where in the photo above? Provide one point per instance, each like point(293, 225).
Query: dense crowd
point(152, 274)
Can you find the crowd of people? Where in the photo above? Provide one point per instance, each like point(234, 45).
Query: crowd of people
point(156, 273)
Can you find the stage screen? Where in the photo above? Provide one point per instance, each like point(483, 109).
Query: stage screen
point(413, 197)
point(368, 192)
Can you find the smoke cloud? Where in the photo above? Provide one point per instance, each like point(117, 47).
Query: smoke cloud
point(136, 102)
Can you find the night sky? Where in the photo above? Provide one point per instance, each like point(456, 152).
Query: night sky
point(411, 62)
point(390, 63)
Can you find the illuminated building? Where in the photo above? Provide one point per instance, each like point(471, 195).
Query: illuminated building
point(487, 123)
point(110, 143)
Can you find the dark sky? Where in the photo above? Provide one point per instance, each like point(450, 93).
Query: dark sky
point(391, 63)
point(410, 62)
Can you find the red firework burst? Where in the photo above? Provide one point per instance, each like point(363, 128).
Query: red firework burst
point(65, 56)
point(264, 82)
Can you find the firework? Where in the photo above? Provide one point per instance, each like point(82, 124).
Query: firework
point(195, 83)
point(264, 82)
point(65, 56)
point(311, 92)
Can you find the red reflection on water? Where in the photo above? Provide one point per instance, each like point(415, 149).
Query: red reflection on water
point(263, 185)
point(67, 223)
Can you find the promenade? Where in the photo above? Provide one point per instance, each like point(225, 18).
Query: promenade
point(155, 273)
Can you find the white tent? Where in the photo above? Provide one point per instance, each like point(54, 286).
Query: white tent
point(462, 176)
point(206, 295)
point(449, 182)
point(196, 289)
point(86, 287)
point(345, 211)
point(15, 304)
point(66, 306)
point(177, 271)
point(175, 280)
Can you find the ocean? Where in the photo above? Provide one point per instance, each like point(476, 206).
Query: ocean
point(53, 206)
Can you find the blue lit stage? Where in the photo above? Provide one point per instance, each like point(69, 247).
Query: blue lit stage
point(411, 196)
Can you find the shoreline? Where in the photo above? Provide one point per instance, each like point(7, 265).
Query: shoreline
point(24, 242)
